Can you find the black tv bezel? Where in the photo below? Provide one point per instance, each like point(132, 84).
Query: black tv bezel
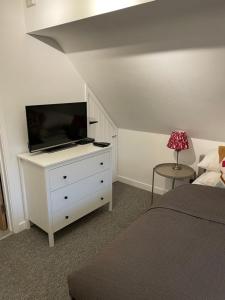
point(60, 145)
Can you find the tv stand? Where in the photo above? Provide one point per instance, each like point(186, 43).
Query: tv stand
point(61, 187)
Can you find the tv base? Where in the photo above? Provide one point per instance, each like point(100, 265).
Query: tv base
point(86, 141)
point(59, 148)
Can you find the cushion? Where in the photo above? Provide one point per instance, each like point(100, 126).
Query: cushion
point(221, 152)
point(211, 162)
point(209, 178)
point(220, 184)
point(222, 176)
point(223, 170)
point(222, 166)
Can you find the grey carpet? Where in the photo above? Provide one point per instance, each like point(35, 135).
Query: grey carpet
point(29, 269)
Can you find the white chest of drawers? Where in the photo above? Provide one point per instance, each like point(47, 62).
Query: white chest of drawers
point(61, 187)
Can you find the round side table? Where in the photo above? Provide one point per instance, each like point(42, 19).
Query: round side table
point(167, 170)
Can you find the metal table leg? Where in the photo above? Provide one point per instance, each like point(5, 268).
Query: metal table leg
point(153, 182)
point(173, 184)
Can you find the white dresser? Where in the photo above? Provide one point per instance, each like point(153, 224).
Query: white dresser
point(63, 186)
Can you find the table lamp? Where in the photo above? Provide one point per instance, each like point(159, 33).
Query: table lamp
point(178, 141)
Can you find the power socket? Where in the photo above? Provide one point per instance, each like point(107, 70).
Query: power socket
point(30, 3)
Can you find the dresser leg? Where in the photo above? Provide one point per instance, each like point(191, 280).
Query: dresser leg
point(28, 224)
point(110, 206)
point(153, 182)
point(51, 239)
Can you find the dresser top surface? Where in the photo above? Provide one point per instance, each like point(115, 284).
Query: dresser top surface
point(47, 159)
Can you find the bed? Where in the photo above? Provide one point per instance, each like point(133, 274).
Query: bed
point(176, 250)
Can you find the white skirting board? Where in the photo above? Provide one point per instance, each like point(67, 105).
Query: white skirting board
point(141, 185)
point(22, 226)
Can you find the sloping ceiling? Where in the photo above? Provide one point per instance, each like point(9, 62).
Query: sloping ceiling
point(48, 13)
point(155, 67)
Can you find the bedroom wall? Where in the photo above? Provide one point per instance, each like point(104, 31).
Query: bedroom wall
point(139, 152)
point(31, 72)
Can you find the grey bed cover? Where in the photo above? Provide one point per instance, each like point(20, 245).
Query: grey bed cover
point(176, 250)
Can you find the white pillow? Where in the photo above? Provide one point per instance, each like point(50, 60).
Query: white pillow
point(210, 178)
point(211, 162)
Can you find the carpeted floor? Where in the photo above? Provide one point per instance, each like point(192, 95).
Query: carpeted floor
point(29, 269)
point(4, 233)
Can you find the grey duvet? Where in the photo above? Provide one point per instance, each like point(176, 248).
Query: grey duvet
point(176, 250)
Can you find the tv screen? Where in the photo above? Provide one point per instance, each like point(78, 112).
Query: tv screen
point(55, 124)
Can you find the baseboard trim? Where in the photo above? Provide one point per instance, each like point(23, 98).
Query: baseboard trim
point(21, 226)
point(141, 185)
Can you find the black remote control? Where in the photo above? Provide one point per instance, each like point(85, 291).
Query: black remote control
point(85, 141)
point(101, 144)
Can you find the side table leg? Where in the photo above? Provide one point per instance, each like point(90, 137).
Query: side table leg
point(195, 176)
point(153, 182)
point(173, 184)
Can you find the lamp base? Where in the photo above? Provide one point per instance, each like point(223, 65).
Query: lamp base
point(177, 167)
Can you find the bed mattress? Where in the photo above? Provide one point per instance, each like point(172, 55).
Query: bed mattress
point(176, 250)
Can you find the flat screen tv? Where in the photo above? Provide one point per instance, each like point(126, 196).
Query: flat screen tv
point(54, 125)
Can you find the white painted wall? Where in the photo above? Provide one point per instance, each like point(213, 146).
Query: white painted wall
point(47, 13)
point(139, 152)
point(31, 72)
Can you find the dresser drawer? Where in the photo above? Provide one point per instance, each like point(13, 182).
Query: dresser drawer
point(80, 209)
point(72, 194)
point(73, 172)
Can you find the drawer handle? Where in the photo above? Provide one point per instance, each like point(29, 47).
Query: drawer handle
point(101, 163)
point(66, 217)
point(102, 198)
point(64, 177)
point(102, 181)
point(66, 197)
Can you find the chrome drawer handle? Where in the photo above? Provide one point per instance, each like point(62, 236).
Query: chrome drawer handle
point(64, 177)
point(66, 217)
point(66, 197)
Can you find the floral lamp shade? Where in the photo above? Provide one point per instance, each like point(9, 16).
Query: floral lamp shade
point(178, 141)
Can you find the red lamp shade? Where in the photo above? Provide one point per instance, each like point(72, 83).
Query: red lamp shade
point(178, 141)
